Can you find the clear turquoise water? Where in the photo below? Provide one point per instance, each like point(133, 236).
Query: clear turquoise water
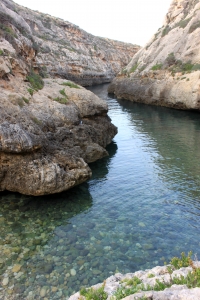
point(141, 207)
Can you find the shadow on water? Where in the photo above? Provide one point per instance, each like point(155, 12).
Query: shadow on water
point(100, 168)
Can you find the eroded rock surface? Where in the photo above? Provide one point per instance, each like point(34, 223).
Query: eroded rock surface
point(167, 70)
point(45, 145)
point(59, 48)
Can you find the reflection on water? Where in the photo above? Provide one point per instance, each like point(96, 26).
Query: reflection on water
point(140, 208)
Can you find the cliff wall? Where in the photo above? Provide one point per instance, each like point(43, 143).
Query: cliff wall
point(61, 49)
point(167, 70)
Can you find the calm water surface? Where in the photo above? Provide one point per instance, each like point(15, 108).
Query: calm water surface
point(141, 207)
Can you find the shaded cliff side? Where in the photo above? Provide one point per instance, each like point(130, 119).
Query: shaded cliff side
point(60, 48)
point(167, 70)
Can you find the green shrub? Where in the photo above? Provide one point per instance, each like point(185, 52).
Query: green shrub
point(133, 69)
point(166, 30)
point(157, 67)
point(160, 285)
point(183, 261)
point(124, 292)
point(151, 275)
point(187, 67)
point(35, 80)
point(61, 100)
point(194, 26)
point(171, 60)
point(192, 279)
point(31, 91)
point(133, 281)
point(1, 52)
point(8, 30)
point(71, 85)
point(25, 100)
point(196, 67)
point(183, 23)
point(62, 92)
point(7, 33)
point(92, 294)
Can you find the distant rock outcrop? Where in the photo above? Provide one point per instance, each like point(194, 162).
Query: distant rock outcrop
point(167, 70)
point(60, 48)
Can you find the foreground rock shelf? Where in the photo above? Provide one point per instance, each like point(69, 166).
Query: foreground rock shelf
point(148, 278)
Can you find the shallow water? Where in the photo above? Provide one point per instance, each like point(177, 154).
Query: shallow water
point(141, 207)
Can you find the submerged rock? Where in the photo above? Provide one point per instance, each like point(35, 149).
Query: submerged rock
point(166, 71)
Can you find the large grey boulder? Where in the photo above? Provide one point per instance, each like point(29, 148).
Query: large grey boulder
point(45, 145)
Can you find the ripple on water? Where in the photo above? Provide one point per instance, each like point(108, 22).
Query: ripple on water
point(140, 208)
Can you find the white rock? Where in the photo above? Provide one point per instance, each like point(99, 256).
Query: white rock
point(5, 281)
point(73, 272)
point(43, 291)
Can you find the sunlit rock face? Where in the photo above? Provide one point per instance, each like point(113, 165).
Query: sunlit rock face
point(51, 128)
point(167, 70)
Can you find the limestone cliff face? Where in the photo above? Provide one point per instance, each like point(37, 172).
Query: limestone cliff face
point(61, 49)
point(50, 129)
point(167, 70)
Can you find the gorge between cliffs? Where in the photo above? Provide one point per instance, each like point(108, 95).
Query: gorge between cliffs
point(95, 184)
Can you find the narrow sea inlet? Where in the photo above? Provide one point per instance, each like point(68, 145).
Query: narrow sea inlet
point(141, 207)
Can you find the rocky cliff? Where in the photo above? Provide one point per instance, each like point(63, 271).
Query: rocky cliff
point(61, 49)
point(167, 70)
point(50, 127)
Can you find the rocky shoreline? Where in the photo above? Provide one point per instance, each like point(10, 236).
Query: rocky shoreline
point(148, 278)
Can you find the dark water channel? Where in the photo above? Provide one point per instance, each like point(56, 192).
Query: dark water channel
point(141, 207)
